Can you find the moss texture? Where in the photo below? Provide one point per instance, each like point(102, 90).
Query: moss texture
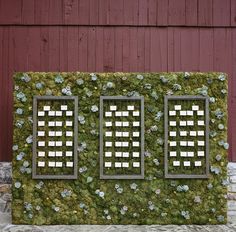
point(89, 200)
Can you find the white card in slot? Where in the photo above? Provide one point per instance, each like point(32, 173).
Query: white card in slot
point(69, 143)
point(108, 134)
point(200, 153)
point(135, 144)
point(41, 143)
point(51, 113)
point(118, 113)
point(173, 133)
point(59, 164)
point(200, 112)
point(118, 154)
point(51, 133)
point(69, 113)
point(173, 153)
point(125, 123)
point(135, 154)
point(108, 114)
point(118, 144)
point(41, 113)
point(190, 123)
point(69, 133)
point(125, 164)
point(136, 123)
point(46, 108)
point(58, 123)
point(136, 113)
point(183, 154)
point(118, 134)
point(182, 123)
point(172, 143)
point(58, 133)
point(107, 164)
point(198, 163)
point(201, 143)
point(130, 107)
point(176, 163)
point(51, 164)
point(51, 123)
point(195, 108)
point(125, 144)
point(69, 153)
point(136, 164)
point(189, 112)
point(41, 153)
point(63, 107)
point(172, 123)
point(41, 133)
point(51, 143)
point(183, 112)
point(41, 123)
point(41, 164)
point(187, 163)
point(117, 164)
point(200, 133)
point(135, 134)
point(69, 123)
point(190, 154)
point(192, 133)
point(59, 143)
point(125, 134)
point(183, 143)
point(108, 124)
point(177, 107)
point(183, 133)
point(200, 123)
point(69, 164)
point(125, 154)
point(58, 113)
point(117, 123)
point(125, 113)
point(108, 154)
point(59, 153)
point(113, 108)
point(191, 143)
point(172, 112)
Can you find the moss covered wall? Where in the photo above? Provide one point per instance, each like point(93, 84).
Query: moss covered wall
point(89, 200)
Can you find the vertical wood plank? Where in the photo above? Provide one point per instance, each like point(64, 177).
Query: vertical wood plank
point(191, 12)
point(91, 49)
point(55, 12)
point(99, 49)
point(41, 15)
point(70, 11)
point(83, 49)
point(125, 49)
point(176, 14)
point(84, 16)
point(141, 49)
point(130, 12)
point(108, 59)
point(28, 9)
point(94, 12)
point(118, 49)
point(63, 46)
point(116, 13)
point(143, 12)
point(147, 50)
point(152, 12)
point(205, 12)
point(233, 12)
point(103, 12)
point(162, 12)
point(221, 13)
point(73, 49)
point(133, 49)
point(54, 52)
point(44, 49)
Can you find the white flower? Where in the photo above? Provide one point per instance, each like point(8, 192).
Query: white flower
point(94, 108)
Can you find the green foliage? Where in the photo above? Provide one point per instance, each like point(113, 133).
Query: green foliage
point(89, 200)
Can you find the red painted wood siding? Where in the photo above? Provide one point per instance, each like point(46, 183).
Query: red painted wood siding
point(111, 36)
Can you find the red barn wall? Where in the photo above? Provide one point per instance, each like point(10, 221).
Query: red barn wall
point(113, 36)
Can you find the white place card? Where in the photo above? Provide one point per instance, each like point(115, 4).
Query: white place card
point(192, 133)
point(69, 164)
point(41, 164)
point(136, 113)
point(125, 164)
point(189, 112)
point(173, 153)
point(51, 143)
point(107, 164)
point(69, 143)
point(41, 153)
point(201, 143)
point(63, 107)
point(200, 112)
point(125, 134)
point(183, 154)
point(130, 107)
point(108, 114)
point(51, 113)
point(108, 154)
point(51, 153)
point(136, 124)
point(113, 108)
point(117, 164)
point(41, 133)
point(41, 113)
point(177, 107)
point(200, 123)
point(125, 124)
point(136, 164)
point(117, 123)
point(69, 133)
point(125, 144)
point(58, 153)
point(118, 144)
point(172, 133)
point(172, 123)
point(198, 163)
point(46, 108)
point(172, 143)
point(125, 113)
point(190, 154)
point(118, 113)
point(183, 112)
point(176, 163)
point(136, 134)
point(190, 123)
point(51, 133)
point(187, 163)
point(41, 143)
point(58, 133)
point(58, 123)
point(183, 143)
point(51, 123)
point(200, 153)
point(108, 133)
point(191, 143)
point(41, 123)
point(69, 113)
point(59, 164)
point(183, 133)
point(182, 123)
point(108, 124)
point(135, 154)
point(69, 123)
point(59, 143)
point(51, 164)
point(58, 113)
point(69, 153)
point(172, 112)
point(200, 133)
point(118, 154)
point(125, 154)
point(135, 144)
point(194, 108)
point(118, 134)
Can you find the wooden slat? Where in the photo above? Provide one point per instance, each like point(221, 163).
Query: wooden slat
point(84, 16)
point(83, 49)
point(152, 12)
point(94, 12)
point(99, 52)
point(141, 49)
point(108, 52)
point(91, 49)
point(118, 49)
point(116, 12)
point(28, 9)
point(221, 13)
point(41, 14)
point(162, 12)
point(133, 50)
point(143, 12)
point(70, 12)
point(131, 12)
point(44, 49)
point(233, 13)
point(205, 12)
point(191, 12)
point(125, 49)
point(176, 15)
